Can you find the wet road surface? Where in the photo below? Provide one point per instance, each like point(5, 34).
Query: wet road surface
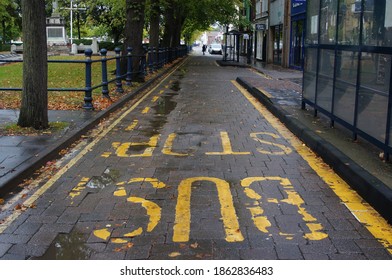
point(197, 169)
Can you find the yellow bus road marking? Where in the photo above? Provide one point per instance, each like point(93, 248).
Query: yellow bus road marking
point(261, 74)
point(293, 198)
point(102, 132)
point(146, 110)
point(153, 210)
point(267, 147)
point(366, 214)
point(285, 150)
point(154, 99)
point(182, 223)
point(123, 148)
point(226, 146)
point(132, 126)
point(168, 146)
point(76, 191)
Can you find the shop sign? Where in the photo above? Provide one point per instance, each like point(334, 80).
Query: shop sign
point(298, 6)
point(260, 26)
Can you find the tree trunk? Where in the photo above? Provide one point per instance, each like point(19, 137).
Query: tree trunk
point(179, 22)
point(134, 30)
point(169, 25)
point(34, 107)
point(154, 23)
point(174, 21)
point(154, 27)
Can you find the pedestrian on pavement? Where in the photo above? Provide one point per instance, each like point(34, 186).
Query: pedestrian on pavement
point(204, 49)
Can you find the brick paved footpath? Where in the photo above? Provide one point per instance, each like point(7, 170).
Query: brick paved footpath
point(195, 170)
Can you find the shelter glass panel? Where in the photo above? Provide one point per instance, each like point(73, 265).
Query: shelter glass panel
point(349, 19)
point(310, 74)
point(346, 85)
point(312, 30)
point(373, 94)
point(329, 9)
point(377, 23)
point(325, 79)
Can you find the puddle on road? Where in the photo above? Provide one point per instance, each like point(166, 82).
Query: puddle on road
point(109, 176)
point(165, 105)
point(68, 247)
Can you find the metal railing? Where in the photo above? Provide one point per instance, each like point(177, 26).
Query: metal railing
point(151, 61)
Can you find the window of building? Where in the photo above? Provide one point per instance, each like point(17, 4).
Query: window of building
point(258, 8)
point(278, 43)
point(264, 7)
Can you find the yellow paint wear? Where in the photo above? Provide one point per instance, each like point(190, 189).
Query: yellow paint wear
point(168, 146)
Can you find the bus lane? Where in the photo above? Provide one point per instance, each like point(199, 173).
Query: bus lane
point(196, 169)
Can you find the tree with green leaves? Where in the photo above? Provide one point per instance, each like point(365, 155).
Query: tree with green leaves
point(183, 17)
point(10, 20)
point(107, 15)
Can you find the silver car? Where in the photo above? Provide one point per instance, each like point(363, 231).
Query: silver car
point(215, 49)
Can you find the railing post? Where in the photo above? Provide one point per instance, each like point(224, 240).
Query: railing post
point(118, 71)
point(155, 59)
point(88, 105)
point(160, 58)
point(150, 59)
point(105, 89)
point(143, 62)
point(162, 62)
point(129, 67)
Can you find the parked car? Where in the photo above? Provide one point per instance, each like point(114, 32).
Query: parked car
point(215, 49)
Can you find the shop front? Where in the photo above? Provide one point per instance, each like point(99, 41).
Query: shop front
point(298, 23)
point(261, 40)
point(277, 13)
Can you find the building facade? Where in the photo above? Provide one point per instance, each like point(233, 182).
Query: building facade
point(261, 30)
point(271, 25)
point(297, 38)
point(348, 60)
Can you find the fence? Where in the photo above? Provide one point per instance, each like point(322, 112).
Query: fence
point(151, 61)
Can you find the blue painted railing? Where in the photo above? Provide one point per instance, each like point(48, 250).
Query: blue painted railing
point(151, 61)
